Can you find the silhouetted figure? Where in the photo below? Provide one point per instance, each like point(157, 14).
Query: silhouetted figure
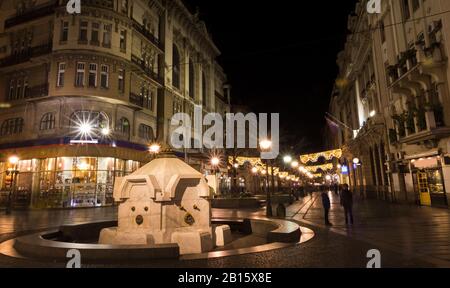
point(326, 207)
point(347, 203)
point(336, 189)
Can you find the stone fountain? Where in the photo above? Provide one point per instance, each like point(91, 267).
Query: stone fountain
point(164, 213)
point(166, 201)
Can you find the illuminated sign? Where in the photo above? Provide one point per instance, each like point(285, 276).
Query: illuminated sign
point(344, 169)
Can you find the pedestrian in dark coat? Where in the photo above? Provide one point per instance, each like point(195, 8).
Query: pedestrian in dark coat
point(326, 207)
point(347, 203)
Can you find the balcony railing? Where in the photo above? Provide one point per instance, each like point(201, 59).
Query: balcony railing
point(105, 4)
point(137, 100)
point(38, 12)
point(415, 122)
point(139, 62)
point(37, 91)
point(141, 29)
point(25, 55)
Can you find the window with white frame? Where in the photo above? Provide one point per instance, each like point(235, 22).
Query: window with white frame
point(79, 79)
point(61, 72)
point(123, 40)
point(12, 90)
point(95, 34)
point(19, 89)
point(107, 28)
point(64, 31)
point(146, 132)
point(12, 126)
point(47, 122)
point(121, 79)
point(104, 76)
point(25, 87)
point(83, 37)
point(92, 81)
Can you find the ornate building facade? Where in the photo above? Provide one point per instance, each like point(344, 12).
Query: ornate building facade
point(392, 102)
point(83, 96)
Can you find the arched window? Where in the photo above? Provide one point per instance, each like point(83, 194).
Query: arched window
point(123, 126)
point(191, 79)
point(204, 90)
point(176, 69)
point(146, 132)
point(47, 122)
point(12, 126)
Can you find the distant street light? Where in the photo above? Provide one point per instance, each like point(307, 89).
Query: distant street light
point(155, 148)
point(295, 164)
point(215, 161)
point(287, 159)
point(356, 161)
point(13, 172)
point(255, 170)
point(265, 146)
point(106, 131)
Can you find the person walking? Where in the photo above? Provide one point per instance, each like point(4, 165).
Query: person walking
point(347, 203)
point(326, 207)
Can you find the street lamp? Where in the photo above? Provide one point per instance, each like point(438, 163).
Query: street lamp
point(287, 159)
point(13, 172)
point(106, 131)
point(295, 164)
point(215, 161)
point(154, 150)
point(265, 146)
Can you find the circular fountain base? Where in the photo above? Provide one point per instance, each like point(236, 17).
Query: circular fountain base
point(248, 236)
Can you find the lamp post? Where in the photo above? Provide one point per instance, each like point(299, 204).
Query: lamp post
point(215, 162)
point(266, 145)
point(13, 172)
point(154, 150)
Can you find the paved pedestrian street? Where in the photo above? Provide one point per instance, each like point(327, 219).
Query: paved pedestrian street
point(406, 236)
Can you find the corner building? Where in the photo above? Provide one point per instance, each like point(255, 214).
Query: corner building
point(83, 96)
point(392, 99)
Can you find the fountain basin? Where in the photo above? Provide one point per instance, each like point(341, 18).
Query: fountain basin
point(249, 236)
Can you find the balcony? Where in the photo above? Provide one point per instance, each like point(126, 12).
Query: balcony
point(26, 55)
point(137, 100)
point(148, 71)
point(105, 4)
point(419, 125)
point(38, 12)
point(147, 34)
point(37, 91)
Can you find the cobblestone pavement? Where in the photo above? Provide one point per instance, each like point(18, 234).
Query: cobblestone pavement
point(421, 232)
point(407, 236)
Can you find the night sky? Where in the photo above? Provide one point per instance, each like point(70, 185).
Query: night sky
point(280, 57)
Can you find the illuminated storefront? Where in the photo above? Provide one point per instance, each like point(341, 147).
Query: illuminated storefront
point(429, 181)
point(64, 182)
